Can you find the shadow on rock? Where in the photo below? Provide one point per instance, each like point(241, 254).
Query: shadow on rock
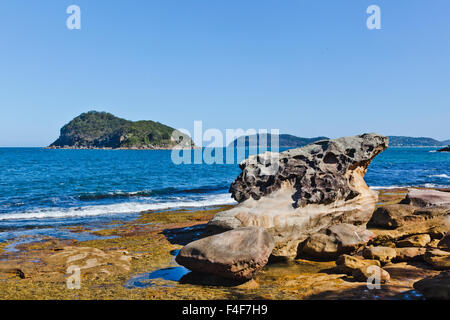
point(183, 236)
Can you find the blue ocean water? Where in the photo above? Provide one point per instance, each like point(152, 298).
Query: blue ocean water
point(41, 189)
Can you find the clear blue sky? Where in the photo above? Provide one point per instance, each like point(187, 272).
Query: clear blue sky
point(307, 68)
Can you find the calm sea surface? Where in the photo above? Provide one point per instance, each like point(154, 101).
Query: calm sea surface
point(43, 190)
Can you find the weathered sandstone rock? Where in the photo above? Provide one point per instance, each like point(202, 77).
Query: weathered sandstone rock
point(418, 240)
point(383, 254)
point(348, 264)
point(92, 262)
point(393, 216)
point(236, 254)
point(435, 288)
point(409, 254)
point(336, 240)
point(427, 198)
point(364, 273)
point(299, 192)
point(438, 259)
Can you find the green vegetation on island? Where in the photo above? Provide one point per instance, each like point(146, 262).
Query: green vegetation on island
point(103, 130)
point(284, 141)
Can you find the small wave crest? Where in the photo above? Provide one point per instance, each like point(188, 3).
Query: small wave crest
point(444, 176)
point(148, 193)
point(118, 208)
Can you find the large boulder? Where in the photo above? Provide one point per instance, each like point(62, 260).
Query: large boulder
point(338, 239)
point(427, 198)
point(299, 192)
point(236, 254)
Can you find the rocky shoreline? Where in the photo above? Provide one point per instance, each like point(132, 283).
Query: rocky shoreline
point(148, 245)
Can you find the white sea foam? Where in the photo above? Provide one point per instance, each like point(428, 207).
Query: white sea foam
point(440, 176)
point(118, 208)
point(387, 187)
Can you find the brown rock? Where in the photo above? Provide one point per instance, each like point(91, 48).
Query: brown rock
point(338, 239)
point(419, 240)
point(393, 216)
point(438, 259)
point(364, 273)
point(409, 254)
point(348, 264)
point(427, 198)
point(382, 254)
point(92, 262)
point(237, 254)
point(435, 288)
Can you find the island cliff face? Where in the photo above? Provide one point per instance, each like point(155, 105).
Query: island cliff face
point(101, 130)
point(312, 188)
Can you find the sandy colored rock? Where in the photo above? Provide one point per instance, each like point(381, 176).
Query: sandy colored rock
point(419, 240)
point(393, 216)
point(438, 259)
point(366, 272)
point(348, 264)
point(92, 262)
point(302, 191)
point(382, 254)
point(336, 240)
point(409, 254)
point(427, 198)
point(237, 254)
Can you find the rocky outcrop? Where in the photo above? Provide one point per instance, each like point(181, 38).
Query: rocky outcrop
point(446, 149)
point(299, 192)
point(236, 254)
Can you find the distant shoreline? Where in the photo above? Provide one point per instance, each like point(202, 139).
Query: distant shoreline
point(105, 148)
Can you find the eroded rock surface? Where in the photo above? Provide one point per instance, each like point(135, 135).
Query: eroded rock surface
point(338, 239)
point(302, 191)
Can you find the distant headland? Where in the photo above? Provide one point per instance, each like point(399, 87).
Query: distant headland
point(102, 130)
point(290, 141)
